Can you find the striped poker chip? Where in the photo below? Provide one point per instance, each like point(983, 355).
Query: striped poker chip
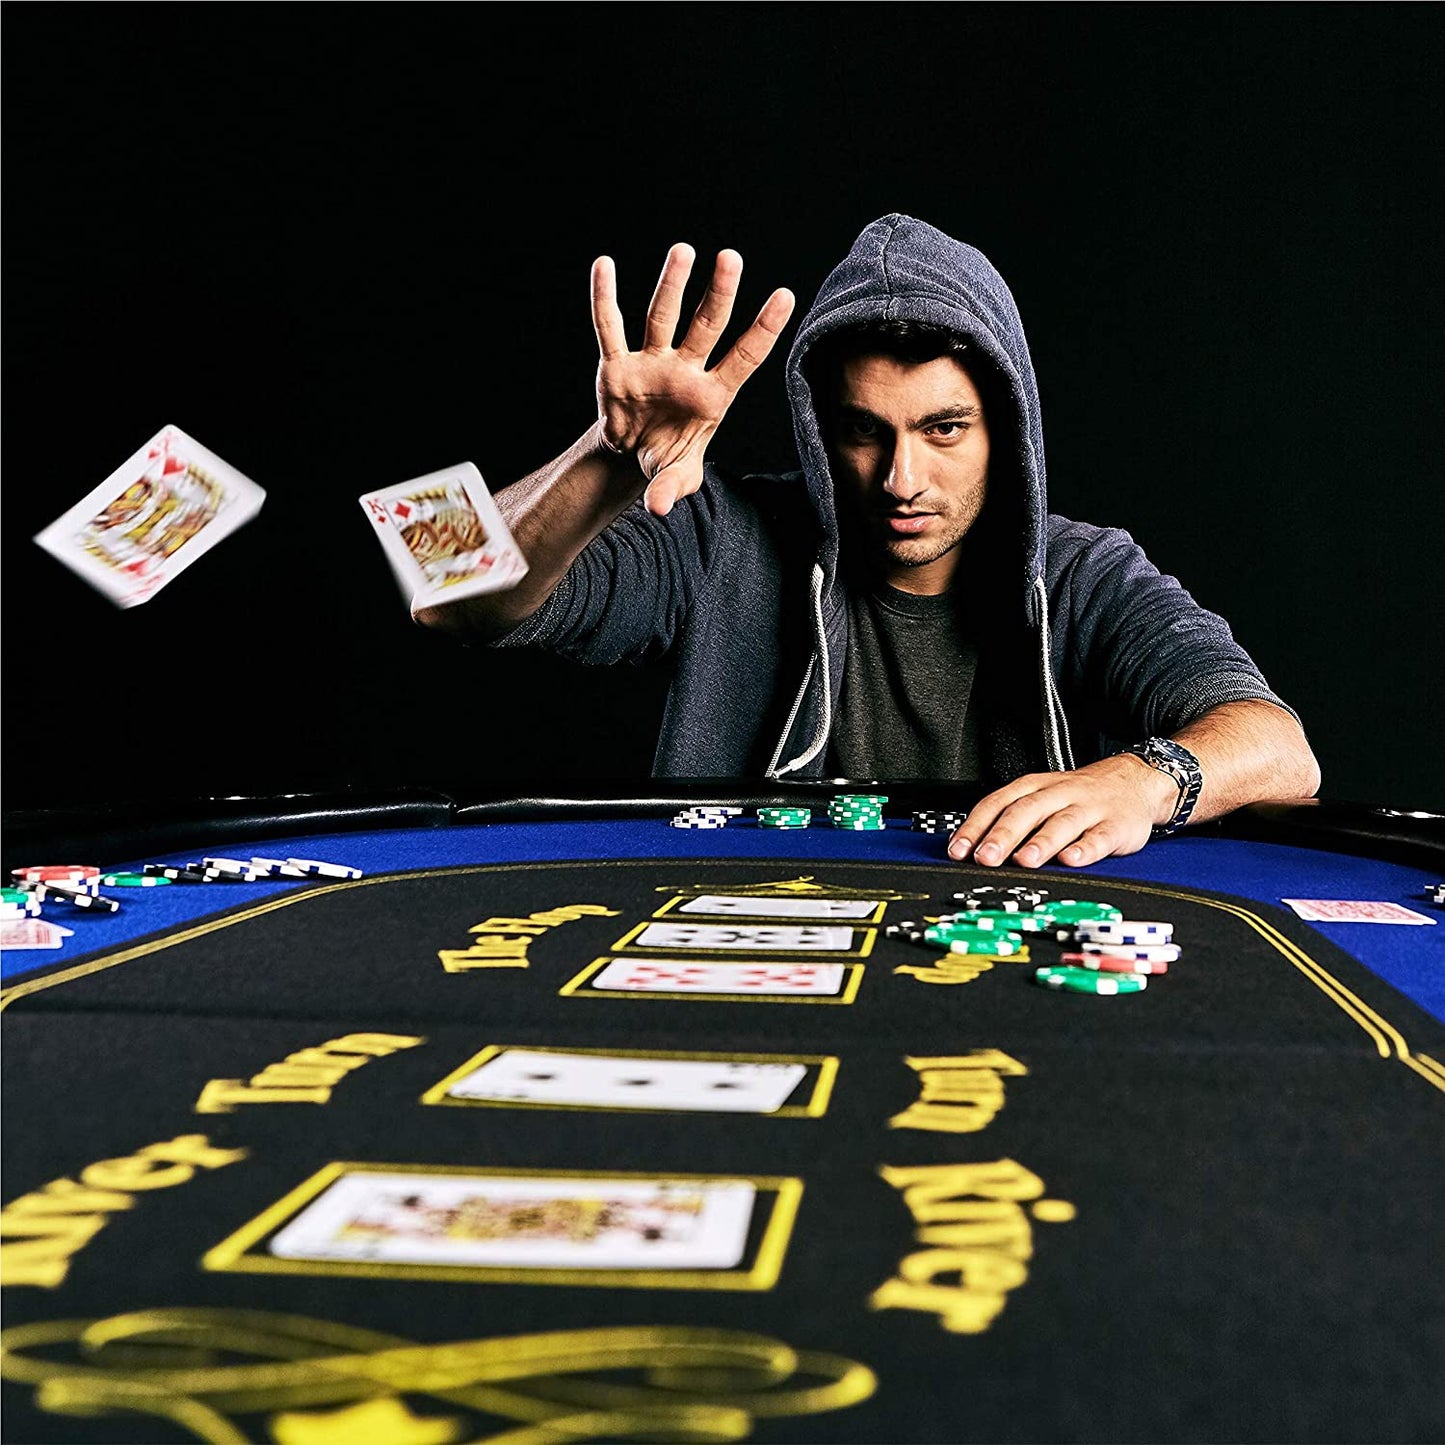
point(55, 873)
point(274, 868)
point(712, 823)
point(988, 898)
point(1087, 980)
point(1114, 963)
point(999, 918)
point(1142, 952)
point(928, 822)
point(1001, 945)
point(169, 871)
point(1435, 893)
point(227, 865)
point(1123, 930)
point(135, 880)
point(9, 911)
point(81, 898)
point(907, 928)
point(314, 867)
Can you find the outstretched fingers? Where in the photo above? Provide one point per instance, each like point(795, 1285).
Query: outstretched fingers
point(715, 309)
point(606, 314)
point(666, 304)
point(751, 349)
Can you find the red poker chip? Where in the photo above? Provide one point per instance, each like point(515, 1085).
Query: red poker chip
point(1108, 963)
point(56, 873)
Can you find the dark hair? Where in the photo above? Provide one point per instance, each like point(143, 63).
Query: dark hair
point(915, 342)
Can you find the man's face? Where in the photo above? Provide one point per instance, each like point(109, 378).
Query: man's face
point(909, 453)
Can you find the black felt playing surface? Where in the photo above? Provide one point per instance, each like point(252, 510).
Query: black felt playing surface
point(1252, 1178)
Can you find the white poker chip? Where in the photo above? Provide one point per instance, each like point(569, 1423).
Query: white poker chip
point(314, 867)
point(275, 867)
point(1123, 930)
point(226, 865)
point(1144, 952)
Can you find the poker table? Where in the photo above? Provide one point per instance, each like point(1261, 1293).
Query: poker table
point(561, 1123)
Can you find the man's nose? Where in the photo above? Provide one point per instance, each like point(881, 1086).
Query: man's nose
point(903, 480)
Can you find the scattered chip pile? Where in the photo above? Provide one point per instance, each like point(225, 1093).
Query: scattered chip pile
point(1435, 893)
point(1109, 954)
point(704, 817)
point(39, 890)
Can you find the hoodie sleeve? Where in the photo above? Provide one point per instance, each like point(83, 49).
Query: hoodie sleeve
point(1131, 648)
point(627, 595)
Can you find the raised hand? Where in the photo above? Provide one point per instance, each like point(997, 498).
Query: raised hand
point(662, 403)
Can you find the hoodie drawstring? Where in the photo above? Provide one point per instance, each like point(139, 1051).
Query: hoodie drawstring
point(820, 737)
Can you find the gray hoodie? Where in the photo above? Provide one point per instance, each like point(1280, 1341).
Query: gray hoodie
point(741, 587)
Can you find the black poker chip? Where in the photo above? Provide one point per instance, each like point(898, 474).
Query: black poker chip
point(938, 820)
point(81, 898)
point(1435, 892)
point(905, 928)
point(988, 897)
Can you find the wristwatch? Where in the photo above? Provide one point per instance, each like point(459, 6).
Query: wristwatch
point(1183, 767)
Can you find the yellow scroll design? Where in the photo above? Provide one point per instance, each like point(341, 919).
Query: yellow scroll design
point(201, 1367)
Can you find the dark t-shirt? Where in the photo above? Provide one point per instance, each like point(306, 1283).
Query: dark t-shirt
point(907, 684)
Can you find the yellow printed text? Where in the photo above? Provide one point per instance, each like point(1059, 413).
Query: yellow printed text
point(978, 1234)
point(49, 1226)
point(958, 1095)
point(305, 1077)
point(502, 942)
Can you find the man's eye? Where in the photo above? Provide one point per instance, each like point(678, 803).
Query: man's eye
point(861, 430)
point(948, 429)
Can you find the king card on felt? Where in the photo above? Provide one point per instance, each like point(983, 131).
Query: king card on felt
point(152, 517)
point(444, 537)
point(537, 1223)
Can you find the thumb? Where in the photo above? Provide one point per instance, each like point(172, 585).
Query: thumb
point(677, 480)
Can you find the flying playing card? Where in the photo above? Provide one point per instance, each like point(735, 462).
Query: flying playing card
point(152, 517)
point(787, 939)
point(677, 975)
point(620, 1081)
point(740, 906)
point(536, 1223)
point(444, 537)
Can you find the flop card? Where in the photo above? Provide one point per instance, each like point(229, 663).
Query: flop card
point(530, 1223)
point(1349, 910)
point(679, 975)
point(803, 938)
point(622, 1081)
point(155, 515)
point(444, 537)
point(740, 906)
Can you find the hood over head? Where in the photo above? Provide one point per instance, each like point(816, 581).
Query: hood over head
point(906, 270)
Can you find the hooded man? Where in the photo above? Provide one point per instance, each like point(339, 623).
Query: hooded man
point(903, 606)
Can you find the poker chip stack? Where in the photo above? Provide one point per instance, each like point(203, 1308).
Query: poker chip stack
point(1010, 900)
point(938, 820)
point(704, 817)
point(1435, 892)
point(74, 884)
point(785, 817)
point(857, 812)
point(18, 903)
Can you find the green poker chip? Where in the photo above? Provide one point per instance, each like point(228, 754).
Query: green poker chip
point(1077, 910)
point(134, 880)
point(999, 918)
point(1086, 980)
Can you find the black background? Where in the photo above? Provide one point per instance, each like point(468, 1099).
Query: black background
point(347, 245)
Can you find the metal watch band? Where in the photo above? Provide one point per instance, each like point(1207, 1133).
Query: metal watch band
point(1181, 765)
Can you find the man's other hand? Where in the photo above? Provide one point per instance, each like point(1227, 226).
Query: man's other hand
point(1098, 811)
point(662, 403)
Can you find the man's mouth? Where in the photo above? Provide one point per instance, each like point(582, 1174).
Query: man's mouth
point(907, 524)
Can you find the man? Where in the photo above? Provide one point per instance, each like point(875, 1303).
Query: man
point(903, 606)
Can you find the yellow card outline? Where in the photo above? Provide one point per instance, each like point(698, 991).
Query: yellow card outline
point(230, 1256)
point(852, 982)
point(814, 1107)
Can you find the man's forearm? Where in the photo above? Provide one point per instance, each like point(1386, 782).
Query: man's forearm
point(553, 514)
point(1249, 752)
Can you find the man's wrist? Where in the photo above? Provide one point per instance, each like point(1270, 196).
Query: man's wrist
point(1163, 790)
